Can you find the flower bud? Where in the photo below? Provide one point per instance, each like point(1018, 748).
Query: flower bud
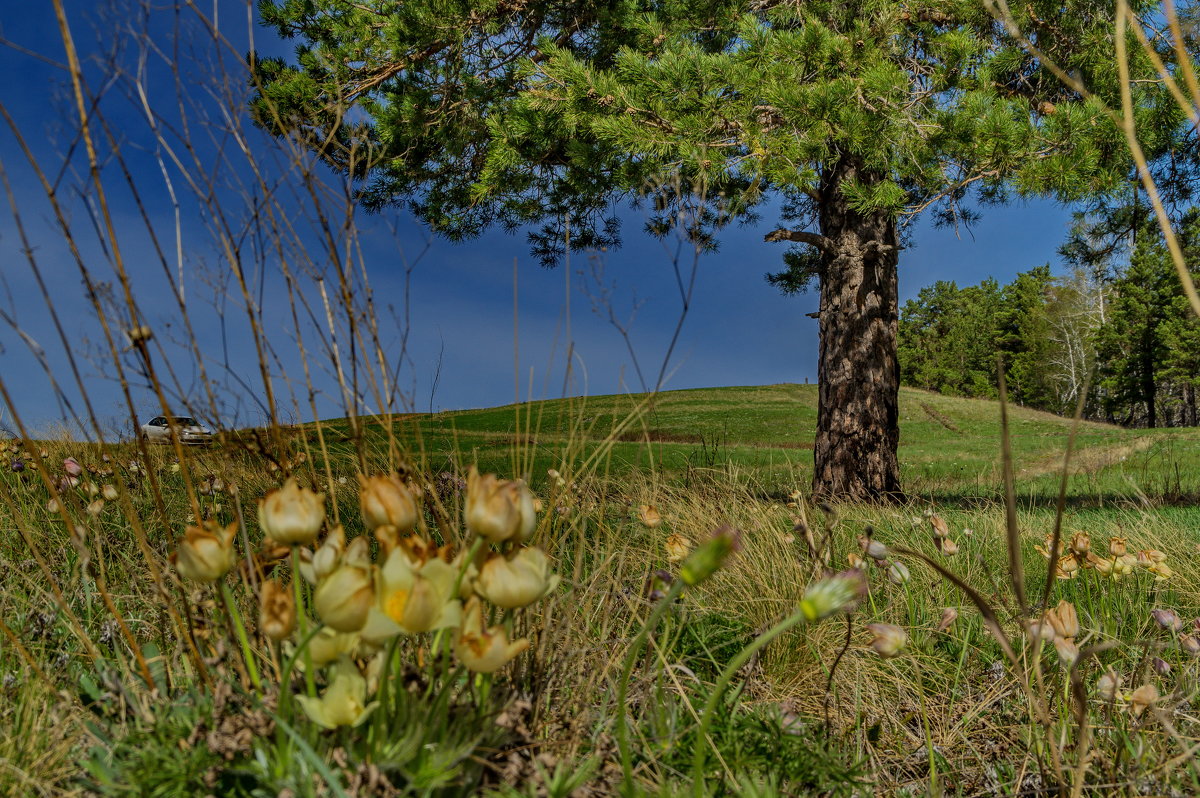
point(678, 547)
point(1161, 666)
point(1167, 619)
point(947, 546)
point(949, 616)
point(1117, 546)
point(344, 598)
point(1080, 544)
point(898, 573)
point(1068, 651)
point(1064, 619)
point(386, 501)
point(291, 514)
point(277, 611)
point(837, 593)
point(206, 552)
point(873, 548)
point(889, 640)
point(72, 467)
point(484, 650)
point(710, 555)
point(109, 492)
point(1107, 685)
point(517, 580)
point(940, 529)
point(1142, 699)
point(649, 515)
point(1190, 645)
point(499, 509)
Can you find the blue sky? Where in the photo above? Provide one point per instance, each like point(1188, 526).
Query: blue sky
point(454, 300)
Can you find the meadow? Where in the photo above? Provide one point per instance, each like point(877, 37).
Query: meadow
point(659, 662)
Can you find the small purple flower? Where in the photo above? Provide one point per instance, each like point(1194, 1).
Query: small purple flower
point(17, 465)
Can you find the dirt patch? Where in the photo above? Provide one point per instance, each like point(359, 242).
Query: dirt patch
point(939, 418)
point(1087, 461)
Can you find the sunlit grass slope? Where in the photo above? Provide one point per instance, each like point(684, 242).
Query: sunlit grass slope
point(949, 447)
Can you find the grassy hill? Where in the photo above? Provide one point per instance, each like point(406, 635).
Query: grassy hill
point(949, 447)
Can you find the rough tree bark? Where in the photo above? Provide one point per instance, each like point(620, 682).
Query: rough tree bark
point(859, 371)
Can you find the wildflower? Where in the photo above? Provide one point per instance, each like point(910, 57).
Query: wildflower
point(92, 489)
point(833, 594)
point(1148, 557)
point(1167, 619)
point(1107, 685)
point(947, 546)
point(315, 566)
point(649, 515)
point(1067, 567)
point(710, 555)
point(856, 562)
point(1160, 570)
point(498, 509)
point(328, 645)
point(95, 508)
point(291, 514)
point(1117, 546)
point(1068, 652)
point(1161, 666)
point(345, 596)
point(72, 467)
point(277, 610)
point(940, 529)
point(109, 492)
point(1040, 630)
point(54, 506)
point(484, 650)
point(898, 573)
point(889, 640)
point(1064, 620)
point(559, 482)
point(1142, 699)
point(343, 703)
point(17, 465)
point(949, 616)
point(678, 547)
point(413, 597)
point(873, 548)
point(386, 501)
point(206, 552)
point(1190, 645)
point(517, 580)
point(1048, 543)
point(1080, 544)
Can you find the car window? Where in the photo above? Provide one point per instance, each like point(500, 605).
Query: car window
point(157, 422)
point(186, 422)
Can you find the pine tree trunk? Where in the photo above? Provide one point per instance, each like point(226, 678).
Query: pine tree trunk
point(859, 372)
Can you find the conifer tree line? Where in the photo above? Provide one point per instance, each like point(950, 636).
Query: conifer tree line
point(1123, 334)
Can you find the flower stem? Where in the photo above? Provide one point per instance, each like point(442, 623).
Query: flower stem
point(635, 651)
point(240, 628)
point(714, 698)
point(310, 685)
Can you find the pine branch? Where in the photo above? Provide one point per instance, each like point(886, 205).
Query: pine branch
point(800, 236)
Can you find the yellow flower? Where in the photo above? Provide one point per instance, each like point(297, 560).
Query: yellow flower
point(315, 566)
point(329, 644)
point(649, 515)
point(889, 639)
point(1148, 557)
point(413, 597)
point(1117, 546)
point(1080, 544)
point(517, 580)
point(277, 610)
point(678, 547)
point(345, 596)
point(386, 501)
point(344, 701)
point(291, 514)
point(484, 650)
point(206, 552)
point(499, 509)
point(1160, 570)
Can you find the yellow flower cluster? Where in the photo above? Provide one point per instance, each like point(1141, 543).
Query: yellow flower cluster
point(1076, 554)
point(413, 586)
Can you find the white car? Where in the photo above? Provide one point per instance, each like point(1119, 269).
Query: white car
point(158, 430)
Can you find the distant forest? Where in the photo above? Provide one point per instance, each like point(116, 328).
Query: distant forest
point(1123, 335)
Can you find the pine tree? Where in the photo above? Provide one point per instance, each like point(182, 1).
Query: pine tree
point(856, 115)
